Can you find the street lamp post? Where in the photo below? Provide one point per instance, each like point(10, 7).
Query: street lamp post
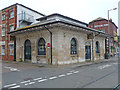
point(109, 28)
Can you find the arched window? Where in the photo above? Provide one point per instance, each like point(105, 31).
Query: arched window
point(73, 46)
point(41, 47)
point(97, 47)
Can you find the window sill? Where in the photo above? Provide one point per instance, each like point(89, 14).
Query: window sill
point(41, 55)
point(11, 17)
point(74, 55)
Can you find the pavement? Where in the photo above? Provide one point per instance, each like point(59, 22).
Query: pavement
point(80, 64)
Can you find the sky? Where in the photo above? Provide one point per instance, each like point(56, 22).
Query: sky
point(82, 10)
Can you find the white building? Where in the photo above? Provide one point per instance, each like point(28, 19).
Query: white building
point(26, 16)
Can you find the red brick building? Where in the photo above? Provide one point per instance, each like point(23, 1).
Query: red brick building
point(102, 25)
point(12, 18)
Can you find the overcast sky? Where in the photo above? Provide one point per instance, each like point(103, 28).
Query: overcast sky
point(82, 10)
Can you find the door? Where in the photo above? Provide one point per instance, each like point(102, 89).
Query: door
point(88, 52)
point(27, 50)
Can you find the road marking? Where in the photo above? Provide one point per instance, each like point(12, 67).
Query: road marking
point(62, 75)
point(12, 69)
point(10, 85)
point(115, 63)
point(25, 81)
point(52, 77)
point(26, 84)
point(42, 80)
point(37, 79)
point(15, 86)
point(104, 66)
point(69, 73)
point(76, 72)
point(29, 83)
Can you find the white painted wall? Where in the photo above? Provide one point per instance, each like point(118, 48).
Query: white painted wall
point(21, 9)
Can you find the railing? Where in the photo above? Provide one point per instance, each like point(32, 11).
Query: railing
point(25, 17)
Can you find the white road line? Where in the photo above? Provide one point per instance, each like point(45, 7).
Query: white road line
point(10, 85)
point(29, 83)
point(12, 69)
point(15, 86)
point(69, 73)
point(104, 66)
point(37, 79)
point(62, 75)
point(25, 81)
point(52, 77)
point(76, 72)
point(42, 80)
point(26, 84)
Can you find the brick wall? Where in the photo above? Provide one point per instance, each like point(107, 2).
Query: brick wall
point(6, 24)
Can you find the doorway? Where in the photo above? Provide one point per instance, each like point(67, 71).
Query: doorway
point(27, 50)
point(88, 53)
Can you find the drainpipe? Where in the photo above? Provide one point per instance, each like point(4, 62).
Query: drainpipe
point(93, 47)
point(50, 41)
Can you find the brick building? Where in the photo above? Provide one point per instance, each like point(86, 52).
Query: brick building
point(59, 39)
point(12, 18)
point(101, 24)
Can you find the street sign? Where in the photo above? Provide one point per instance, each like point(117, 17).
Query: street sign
point(48, 45)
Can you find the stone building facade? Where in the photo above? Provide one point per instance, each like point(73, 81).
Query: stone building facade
point(71, 42)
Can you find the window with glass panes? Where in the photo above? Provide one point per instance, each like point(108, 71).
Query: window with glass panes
point(11, 14)
point(41, 47)
point(11, 49)
point(12, 28)
point(3, 49)
point(3, 32)
point(97, 47)
point(73, 46)
point(3, 16)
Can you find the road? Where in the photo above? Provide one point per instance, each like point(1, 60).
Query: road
point(101, 75)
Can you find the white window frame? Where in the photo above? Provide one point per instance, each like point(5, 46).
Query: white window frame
point(3, 50)
point(11, 49)
point(3, 32)
point(12, 14)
